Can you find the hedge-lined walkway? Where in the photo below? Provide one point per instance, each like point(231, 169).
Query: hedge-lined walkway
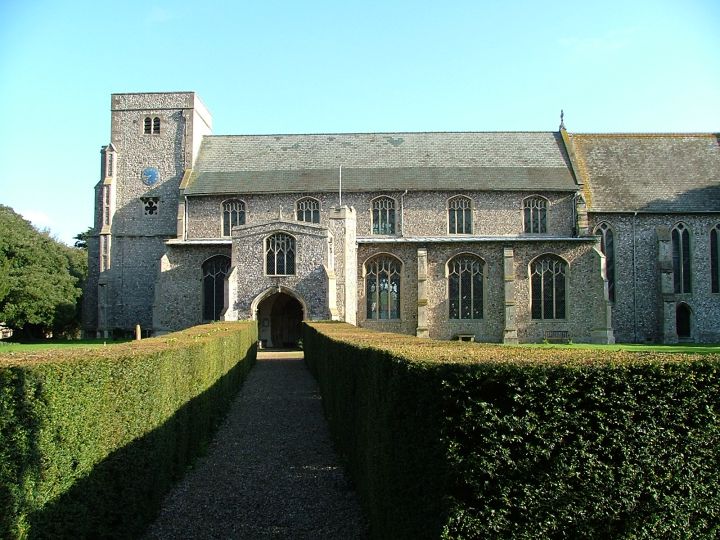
point(271, 471)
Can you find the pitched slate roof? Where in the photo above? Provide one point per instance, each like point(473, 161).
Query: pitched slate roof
point(381, 162)
point(649, 172)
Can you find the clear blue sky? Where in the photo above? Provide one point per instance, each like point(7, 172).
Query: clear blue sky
point(339, 66)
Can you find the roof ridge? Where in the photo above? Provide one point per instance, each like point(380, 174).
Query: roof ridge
point(648, 135)
point(384, 133)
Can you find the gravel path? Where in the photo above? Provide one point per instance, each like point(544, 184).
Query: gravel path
point(271, 471)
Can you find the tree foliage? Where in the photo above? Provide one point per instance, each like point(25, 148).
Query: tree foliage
point(40, 278)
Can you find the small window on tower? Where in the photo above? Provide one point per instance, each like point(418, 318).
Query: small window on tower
point(156, 125)
point(150, 205)
point(148, 125)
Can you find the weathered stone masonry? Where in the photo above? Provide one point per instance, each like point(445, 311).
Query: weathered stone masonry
point(160, 212)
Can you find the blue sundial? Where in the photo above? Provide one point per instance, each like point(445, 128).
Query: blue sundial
point(150, 176)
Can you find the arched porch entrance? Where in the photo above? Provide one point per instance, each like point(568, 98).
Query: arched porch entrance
point(279, 315)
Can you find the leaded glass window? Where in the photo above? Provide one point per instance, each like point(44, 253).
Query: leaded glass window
point(280, 255)
point(156, 125)
point(681, 259)
point(147, 125)
point(383, 215)
point(465, 287)
point(715, 259)
point(233, 214)
point(460, 215)
point(607, 246)
point(548, 286)
point(308, 210)
point(382, 285)
point(214, 270)
point(535, 215)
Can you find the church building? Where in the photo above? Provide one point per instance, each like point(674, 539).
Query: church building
point(506, 237)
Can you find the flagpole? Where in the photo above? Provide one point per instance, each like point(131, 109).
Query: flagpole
point(340, 188)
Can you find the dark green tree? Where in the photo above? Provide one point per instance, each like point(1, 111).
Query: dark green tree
point(40, 279)
point(82, 238)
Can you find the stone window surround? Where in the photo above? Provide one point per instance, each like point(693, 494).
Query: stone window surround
point(567, 288)
point(601, 230)
point(151, 206)
point(373, 201)
point(363, 287)
point(483, 269)
point(685, 266)
point(295, 251)
point(525, 204)
point(203, 270)
point(242, 209)
point(715, 258)
point(449, 201)
point(151, 125)
point(310, 199)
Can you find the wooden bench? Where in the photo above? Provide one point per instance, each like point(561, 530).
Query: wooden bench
point(557, 336)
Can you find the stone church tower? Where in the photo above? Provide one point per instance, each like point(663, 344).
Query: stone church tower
point(155, 138)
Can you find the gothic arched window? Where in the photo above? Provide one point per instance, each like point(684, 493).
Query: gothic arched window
point(383, 215)
point(308, 209)
point(535, 215)
point(215, 269)
point(382, 286)
point(607, 246)
point(280, 255)
point(465, 287)
point(548, 274)
point(460, 215)
point(233, 214)
point(681, 259)
point(715, 259)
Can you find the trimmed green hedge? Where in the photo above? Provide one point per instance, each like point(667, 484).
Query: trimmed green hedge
point(460, 440)
point(91, 440)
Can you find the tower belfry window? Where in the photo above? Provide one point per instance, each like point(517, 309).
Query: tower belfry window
point(151, 125)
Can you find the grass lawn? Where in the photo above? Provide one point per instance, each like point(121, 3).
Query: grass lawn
point(686, 348)
point(11, 347)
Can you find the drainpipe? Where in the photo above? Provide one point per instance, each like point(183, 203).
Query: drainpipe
point(635, 336)
point(402, 212)
point(185, 220)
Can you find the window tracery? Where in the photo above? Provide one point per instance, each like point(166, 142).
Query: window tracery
point(465, 287)
point(682, 272)
point(548, 274)
point(308, 209)
point(280, 255)
point(460, 215)
point(233, 214)
point(214, 271)
point(383, 215)
point(382, 287)
point(535, 215)
point(607, 246)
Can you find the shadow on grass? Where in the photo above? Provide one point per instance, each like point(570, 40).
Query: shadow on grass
point(123, 493)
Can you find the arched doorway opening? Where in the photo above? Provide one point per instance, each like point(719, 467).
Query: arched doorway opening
point(279, 318)
point(683, 317)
